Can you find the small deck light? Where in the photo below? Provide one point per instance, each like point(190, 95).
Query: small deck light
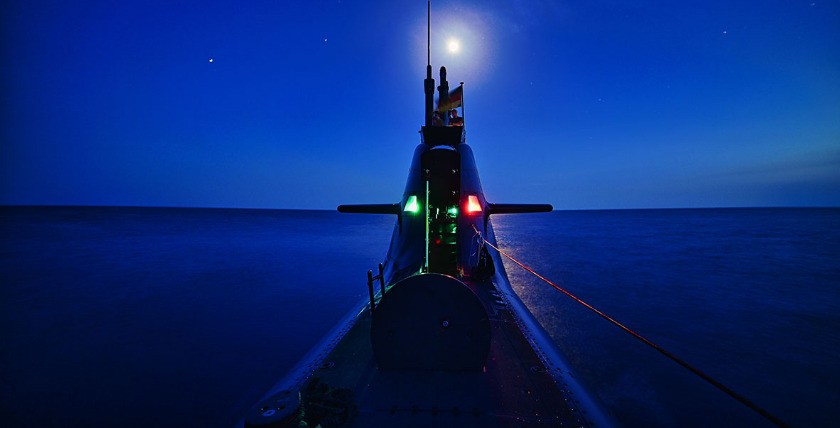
point(411, 205)
point(473, 207)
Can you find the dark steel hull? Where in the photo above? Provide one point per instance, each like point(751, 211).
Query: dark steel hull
point(524, 380)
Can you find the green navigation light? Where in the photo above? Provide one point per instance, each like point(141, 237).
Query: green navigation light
point(411, 205)
point(453, 212)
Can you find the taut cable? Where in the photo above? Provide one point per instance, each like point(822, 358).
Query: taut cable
point(743, 400)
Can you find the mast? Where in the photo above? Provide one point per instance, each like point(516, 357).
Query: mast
point(443, 93)
point(429, 82)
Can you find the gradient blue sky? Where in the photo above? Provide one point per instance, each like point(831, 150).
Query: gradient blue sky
point(308, 104)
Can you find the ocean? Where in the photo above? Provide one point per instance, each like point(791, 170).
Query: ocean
point(185, 317)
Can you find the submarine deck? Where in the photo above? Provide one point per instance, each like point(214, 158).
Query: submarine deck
point(514, 389)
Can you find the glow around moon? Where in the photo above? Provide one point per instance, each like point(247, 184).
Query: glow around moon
point(462, 42)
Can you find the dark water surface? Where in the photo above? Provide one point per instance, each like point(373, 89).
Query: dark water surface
point(184, 317)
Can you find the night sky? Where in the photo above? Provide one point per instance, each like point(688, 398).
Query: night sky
point(308, 104)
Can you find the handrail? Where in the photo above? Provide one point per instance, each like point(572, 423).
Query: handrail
point(371, 278)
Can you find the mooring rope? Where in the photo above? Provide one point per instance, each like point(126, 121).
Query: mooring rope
point(743, 400)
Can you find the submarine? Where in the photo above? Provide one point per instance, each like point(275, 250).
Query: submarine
point(441, 338)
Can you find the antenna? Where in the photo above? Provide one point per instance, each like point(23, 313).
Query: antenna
point(429, 83)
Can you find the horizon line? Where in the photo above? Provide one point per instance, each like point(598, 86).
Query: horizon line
point(335, 209)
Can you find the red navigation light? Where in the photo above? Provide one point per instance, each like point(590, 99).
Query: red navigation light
point(473, 207)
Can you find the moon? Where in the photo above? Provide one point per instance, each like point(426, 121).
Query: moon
point(453, 46)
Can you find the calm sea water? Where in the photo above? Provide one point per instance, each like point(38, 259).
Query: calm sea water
point(184, 317)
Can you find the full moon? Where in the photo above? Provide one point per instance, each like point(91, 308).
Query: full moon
point(453, 45)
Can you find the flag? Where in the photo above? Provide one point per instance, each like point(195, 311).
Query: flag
point(456, 98)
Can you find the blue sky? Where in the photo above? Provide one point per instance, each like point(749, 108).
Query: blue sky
point(585, 105)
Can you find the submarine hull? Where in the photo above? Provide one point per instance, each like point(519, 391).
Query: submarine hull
point(436, 349)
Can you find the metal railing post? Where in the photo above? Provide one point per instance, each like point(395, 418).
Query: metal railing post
point(370, 290)
point(382, 279)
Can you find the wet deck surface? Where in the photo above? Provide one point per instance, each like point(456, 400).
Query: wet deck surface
point(515, 388)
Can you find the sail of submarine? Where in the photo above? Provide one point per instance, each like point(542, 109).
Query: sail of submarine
point(442, 340)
